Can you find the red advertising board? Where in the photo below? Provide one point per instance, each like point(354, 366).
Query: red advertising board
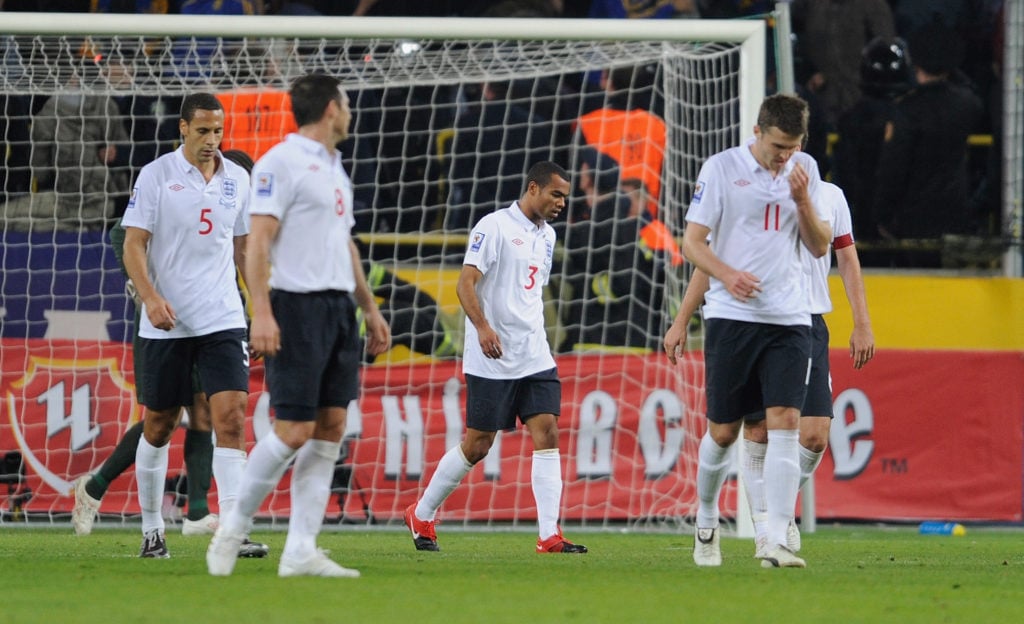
point(917, 435)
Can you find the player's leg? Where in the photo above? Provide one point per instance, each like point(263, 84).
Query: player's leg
point(91, 489)
point(166, 382)
point(198, 453)
point(310, 491)
point(817, 412)
point(223, 364)
point(755, 445)
point(315, 461)
point(730, 394)
point(489, 409)
point(538, 401)
point(784, 369)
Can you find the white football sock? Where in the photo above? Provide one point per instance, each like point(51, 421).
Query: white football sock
point(451, 470)
point(267, 463)
point(753, 482)
point(809, 461)
point(150, 475)
point(546, 479)
point(311, 488)
point(712, 468)
point(781, 481)
point(228, 467)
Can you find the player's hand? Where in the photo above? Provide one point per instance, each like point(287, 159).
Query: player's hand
point(378, 333)
point(675, 342)
point(264, 335)
point(743, 286)
point(798, 183)
point(862, 346)
point(490, 343)
point(160, 313)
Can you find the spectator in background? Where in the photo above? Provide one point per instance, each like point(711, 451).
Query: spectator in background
point(496, 140)
point(643, 9)
point(885, 74)
point(922, 185)
point(76, 138)
point(615, 261)
point(627, 133)
point(150, 120)
point(158, 7)
point(832, 34)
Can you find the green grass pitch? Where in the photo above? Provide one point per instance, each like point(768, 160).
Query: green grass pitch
point(854, 574)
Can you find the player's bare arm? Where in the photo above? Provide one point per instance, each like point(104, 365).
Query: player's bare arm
point(815, 233)
point(742, 285)
point(675, 337)
point(862, 339)
point(490, 343)
point(378, 333)
point(264, 333)
point(158, 309)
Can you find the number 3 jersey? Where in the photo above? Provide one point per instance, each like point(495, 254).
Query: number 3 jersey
point(191, 255)
point(754, 228)
point(514, 256)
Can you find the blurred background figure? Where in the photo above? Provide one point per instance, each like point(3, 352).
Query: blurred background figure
point(922, 182)
point(885, 75)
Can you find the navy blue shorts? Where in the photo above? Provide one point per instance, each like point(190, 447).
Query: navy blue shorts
point(494, 404)
point(220, 359)
point(318, 364)
point(819, 388)
point(752, 366)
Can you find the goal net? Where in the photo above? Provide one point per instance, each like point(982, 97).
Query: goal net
point(448, 116)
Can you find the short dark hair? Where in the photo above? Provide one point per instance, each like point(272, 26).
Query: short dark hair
point(240, 158)
point(199, 101)
point(541, 173)
point(310, 96)
point(788, 113)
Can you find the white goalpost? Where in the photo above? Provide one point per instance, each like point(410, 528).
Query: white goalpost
point(448, 115)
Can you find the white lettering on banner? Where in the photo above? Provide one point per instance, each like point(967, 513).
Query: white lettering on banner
point(398, 430)
point(78, 420)
point(851, 456)
point(659, 458)
point(597, 415)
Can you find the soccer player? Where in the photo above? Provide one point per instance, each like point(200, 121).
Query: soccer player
point(185, 229)
point(754, 203)
point(198, 450)
point(304, 322)
point(816, 415)
point(509, 369)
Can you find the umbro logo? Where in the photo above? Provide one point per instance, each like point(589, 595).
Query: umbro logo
point(176, 187)
point(741, 182)
point(314, 167)
point(517, 241)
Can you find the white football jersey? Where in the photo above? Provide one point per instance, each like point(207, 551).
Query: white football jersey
point(304, 186)
point(191, 255)
point(514, 256)
point(754, 228)
point(831, 199)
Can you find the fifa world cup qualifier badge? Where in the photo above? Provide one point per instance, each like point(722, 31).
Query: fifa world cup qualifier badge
point(478, 239)
point(698, 191)
point(264, 184)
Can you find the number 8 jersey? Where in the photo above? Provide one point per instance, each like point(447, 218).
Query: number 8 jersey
point(192, 224)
